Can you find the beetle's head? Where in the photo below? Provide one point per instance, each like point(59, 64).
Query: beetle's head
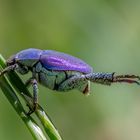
point(21, 68)
point(11, 60)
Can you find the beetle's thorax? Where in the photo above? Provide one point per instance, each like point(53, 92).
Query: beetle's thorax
point(28, 57)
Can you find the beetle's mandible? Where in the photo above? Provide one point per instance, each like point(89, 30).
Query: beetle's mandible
point(59, 71)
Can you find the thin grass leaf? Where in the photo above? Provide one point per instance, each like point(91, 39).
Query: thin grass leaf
point(41, 114)
point(13, 99)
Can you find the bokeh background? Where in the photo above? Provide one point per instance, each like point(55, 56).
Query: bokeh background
point(104, 33)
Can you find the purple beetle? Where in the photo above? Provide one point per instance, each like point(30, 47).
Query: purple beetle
point(59, 71)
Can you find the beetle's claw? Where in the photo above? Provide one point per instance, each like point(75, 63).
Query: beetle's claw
point(32, 110)
point(127, 79)
point(29, 112)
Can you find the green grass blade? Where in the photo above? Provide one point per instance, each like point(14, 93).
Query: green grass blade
point(41, 114)
point(13, 99)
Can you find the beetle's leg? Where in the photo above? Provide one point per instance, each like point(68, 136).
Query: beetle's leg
point(108, 78)
point(84, 87)
point(127, 79)
point(101, 78)
point(8, 68)
point(35, 90)
point(32, 81)
point(77, 81)
point(35, 96)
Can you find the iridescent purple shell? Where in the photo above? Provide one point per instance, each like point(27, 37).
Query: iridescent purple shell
point(54, 60)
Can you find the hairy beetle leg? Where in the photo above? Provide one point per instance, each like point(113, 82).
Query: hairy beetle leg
point(109, 78)
point(100, 78)
point(35, 93)
point(78, 82)
point(75, 81)
point(33, 82)
point(103, 78)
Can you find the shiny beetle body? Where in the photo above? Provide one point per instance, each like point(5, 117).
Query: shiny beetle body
point(59, 71)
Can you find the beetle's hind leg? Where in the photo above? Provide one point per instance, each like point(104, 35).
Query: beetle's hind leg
point(127, 79)
point(109, 78)
point(75, 82)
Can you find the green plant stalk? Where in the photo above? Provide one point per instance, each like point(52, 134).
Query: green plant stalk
point(13, 99)
point(41, 114)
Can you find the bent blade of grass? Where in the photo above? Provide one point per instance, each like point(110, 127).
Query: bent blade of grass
point(41, 114)
point(13, 99)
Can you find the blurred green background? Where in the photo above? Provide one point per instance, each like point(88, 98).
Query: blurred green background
point(104, 33)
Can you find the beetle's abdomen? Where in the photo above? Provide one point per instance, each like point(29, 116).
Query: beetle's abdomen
point(54, 60)
point(51, 79)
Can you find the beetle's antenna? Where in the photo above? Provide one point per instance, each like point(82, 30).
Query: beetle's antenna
point(127, 79)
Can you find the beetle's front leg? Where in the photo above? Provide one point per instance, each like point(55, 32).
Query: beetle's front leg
point(8, 68)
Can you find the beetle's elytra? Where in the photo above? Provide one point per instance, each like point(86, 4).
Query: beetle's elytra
point(59, 71)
